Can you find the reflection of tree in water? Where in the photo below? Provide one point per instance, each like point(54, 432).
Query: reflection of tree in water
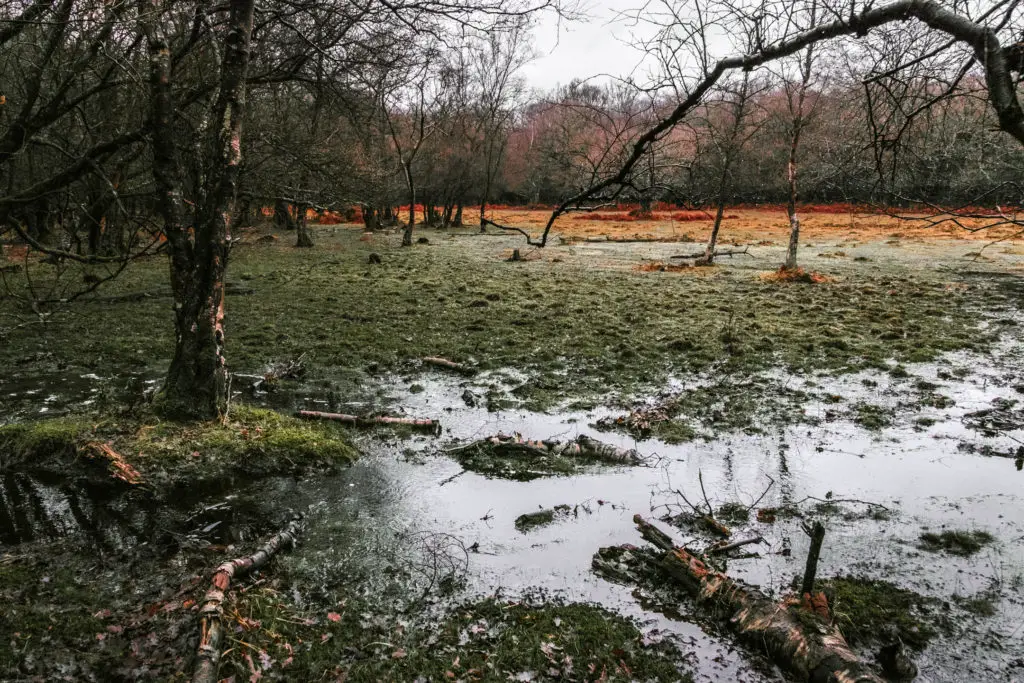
point(39, 508)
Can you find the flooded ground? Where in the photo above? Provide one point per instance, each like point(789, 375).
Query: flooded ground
point(881, 455)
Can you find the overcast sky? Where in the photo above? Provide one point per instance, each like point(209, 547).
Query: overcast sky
point(582, 49)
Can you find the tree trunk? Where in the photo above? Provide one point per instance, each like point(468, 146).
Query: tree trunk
point(457, 221)
point(304, 238)
point(371, 221)
point(243, 213)
point(709, 252)
point(283, 215)
point(197, 383)
point(407, 233)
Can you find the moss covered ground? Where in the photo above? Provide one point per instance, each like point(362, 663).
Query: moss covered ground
point(578, 329)
point(485, 640)
point(169, 455)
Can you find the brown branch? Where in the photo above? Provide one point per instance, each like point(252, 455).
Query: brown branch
point(211, 626)
point(432, 426)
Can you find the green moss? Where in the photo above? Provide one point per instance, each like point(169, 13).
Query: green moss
point(30, 443)
point(956, 542)
point(488, 640)
point(865, 610)
point(872, 417)
point(253, 441)
point(577, 331)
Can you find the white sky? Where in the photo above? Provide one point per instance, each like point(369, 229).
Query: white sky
point(583, 49)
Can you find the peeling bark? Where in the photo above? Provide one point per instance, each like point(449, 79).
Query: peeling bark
point(810, 648)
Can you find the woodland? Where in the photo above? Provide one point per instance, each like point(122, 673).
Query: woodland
point(335, 349)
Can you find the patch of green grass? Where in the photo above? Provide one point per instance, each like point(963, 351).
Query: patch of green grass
point(26, 444)
point(733, 513)
point(865, 609)
point(984, 605)
point(872, 417)
point(488, 640)
point(577, 331)
point(50, 620)
point(506, 461)
point(251, 441)
point(955, 541)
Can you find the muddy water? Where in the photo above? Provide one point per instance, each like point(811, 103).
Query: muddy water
point(921, 475)
point(405, 489)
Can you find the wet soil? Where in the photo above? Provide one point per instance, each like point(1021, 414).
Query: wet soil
point(877, 437)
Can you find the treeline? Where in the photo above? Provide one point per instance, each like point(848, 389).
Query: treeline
point(397, 104)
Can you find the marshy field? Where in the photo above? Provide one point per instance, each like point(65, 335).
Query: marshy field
point(880, 395)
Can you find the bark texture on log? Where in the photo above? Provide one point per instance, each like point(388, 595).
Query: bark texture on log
point(432, 426)
point(809, 648)
point(211, 614)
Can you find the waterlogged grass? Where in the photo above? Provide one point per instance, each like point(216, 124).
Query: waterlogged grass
point(956, 542)
point(489, 640)
point(578, 330)
point(867, 611)
point(252, 441)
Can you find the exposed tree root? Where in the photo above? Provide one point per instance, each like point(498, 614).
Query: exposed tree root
point(211, 614)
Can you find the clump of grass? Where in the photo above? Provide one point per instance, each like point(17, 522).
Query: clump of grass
point(251, 441)
point(535, 520)
point(865, 609)
point(487, 640)
point(29, 444)
point(956, 542)
point(733, 513)
point(872, 417)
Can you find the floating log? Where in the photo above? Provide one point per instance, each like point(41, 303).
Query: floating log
point(582, 446)
point(211, 614)
point(432, 426)
point(446, 364)
point(808, 647)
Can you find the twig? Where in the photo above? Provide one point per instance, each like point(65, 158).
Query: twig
point(721, 547)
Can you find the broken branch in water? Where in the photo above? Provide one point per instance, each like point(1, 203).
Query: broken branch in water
point(211, 615)
point(805, 644)
point(432, 426)
point(722, 547)
point(461, 368)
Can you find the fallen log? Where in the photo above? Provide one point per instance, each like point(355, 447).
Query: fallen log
point(582, 446)
point(211, 614)
point(804, 644)
point(432, 426)
point(460, 368)
point(702, 254)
